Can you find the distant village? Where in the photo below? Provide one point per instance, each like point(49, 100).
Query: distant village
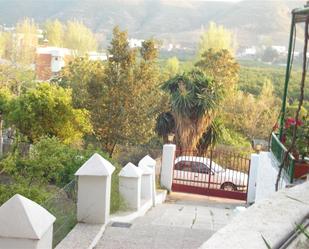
point(50, 60)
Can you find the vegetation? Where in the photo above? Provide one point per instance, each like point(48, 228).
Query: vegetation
point(193, 99)
point(172, 67)
point(20, 46)
point(47, 110)
point(121, 96)
point(127, 106)
point(172, 23)
point(49, 163)
point(216, 38)
point(114, 107)
point(54, 32)
point(221, 66)
point(79, 38)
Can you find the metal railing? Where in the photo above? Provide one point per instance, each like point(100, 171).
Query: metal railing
point(279, 151)
point(215, 172)
point(63, 206)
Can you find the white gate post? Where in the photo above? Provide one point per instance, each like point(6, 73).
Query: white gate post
point(130, 185)
point(254, 165)
point(146, 183)
point(168, 158)
point(25, 224)
point(151, 163)
point(94, 190)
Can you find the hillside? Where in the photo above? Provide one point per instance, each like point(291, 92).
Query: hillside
point(172, 21)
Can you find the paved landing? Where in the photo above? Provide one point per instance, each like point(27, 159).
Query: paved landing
point(176, 224)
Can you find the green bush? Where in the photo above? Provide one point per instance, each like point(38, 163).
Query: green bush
point(50, 163)
point(34, 193)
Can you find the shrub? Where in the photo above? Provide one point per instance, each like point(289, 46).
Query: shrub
point(34, 193)
point(49, 163)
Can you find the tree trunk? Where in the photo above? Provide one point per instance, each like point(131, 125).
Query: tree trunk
point(112, 150)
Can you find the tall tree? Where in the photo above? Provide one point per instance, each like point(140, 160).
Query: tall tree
point(79, 38)
point(217, 38)
point(80, 75)
point(260, 112)
point(221, 66)
point(131, 93)
point(54, 32)
point(172, 67)
point(270, 55)
point(15, 79)
point(121, 95)
point(86, 79)
point(7, 46)
point(25, 42)
point(2, 44)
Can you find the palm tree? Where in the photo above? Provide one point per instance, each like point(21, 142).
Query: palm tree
point(215, 132)
point(194, 99)
point(165, 125)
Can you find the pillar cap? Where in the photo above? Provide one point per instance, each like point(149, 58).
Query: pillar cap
point(96, 165)
point(147, 161)
point(169, 146)
point(130, 170)
point(146, 169)
point(23, 218)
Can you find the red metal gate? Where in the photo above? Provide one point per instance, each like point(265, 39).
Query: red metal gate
point(213, 173)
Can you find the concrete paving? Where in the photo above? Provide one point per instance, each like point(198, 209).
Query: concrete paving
point(179, 223)
point(273, 220)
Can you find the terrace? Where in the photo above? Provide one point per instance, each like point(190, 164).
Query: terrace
point(290, 145)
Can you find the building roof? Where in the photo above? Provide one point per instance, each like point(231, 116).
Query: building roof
point(23, 218)
point(301, 14)
point(53, 51)
point(96, 165)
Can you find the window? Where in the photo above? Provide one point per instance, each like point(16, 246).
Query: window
point(184, 165)
point(196, 167)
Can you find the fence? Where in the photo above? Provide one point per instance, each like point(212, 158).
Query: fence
point(279, 151)
point(226, 158)
point(63, 207)
point(214, 172)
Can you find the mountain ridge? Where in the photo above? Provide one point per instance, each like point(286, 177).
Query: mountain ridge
point(170, 21)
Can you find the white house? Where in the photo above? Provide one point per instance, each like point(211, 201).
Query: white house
point(135, 43)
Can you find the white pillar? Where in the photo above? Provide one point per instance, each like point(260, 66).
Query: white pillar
point(94, 190)
point(25, 224)
point(146, 183)
point(151, 163)
point(255, 159)
point(130, 185)
point(168, 159)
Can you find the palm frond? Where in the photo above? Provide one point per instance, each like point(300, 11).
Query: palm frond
point(214, 132)
point(303, 230)
point(165, 124)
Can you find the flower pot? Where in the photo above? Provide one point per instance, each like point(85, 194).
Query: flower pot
point(301, 169)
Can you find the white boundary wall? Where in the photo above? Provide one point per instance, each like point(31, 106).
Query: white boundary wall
point(273, 218)
point(267, 175)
